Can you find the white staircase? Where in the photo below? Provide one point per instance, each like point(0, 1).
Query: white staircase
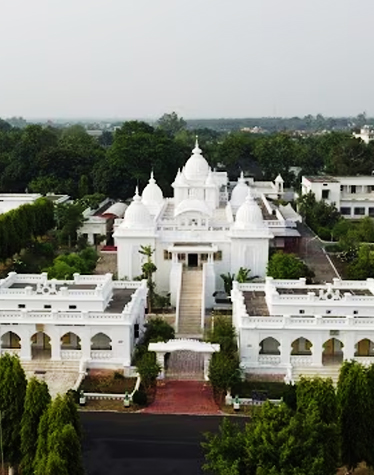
point(329, 371)
point(189, 325)
point(60, 376)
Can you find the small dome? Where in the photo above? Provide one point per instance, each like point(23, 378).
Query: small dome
point(152, 193)
point(239, 193)
point(193, 205)
point(279, 179)
point(137, 215)
point(196, 168)
point(210, 180)
point(249, 215)
point(180, 179)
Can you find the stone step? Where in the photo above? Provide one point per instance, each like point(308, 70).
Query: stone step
point(323, 372)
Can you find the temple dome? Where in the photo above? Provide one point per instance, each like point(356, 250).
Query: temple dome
point(137, 215)
point(193, 205)
point(249, 215)
point(152, 193)
point(239, 193)
point(196, 168)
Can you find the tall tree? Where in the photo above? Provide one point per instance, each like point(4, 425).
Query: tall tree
point(36, 403)
point(171, 123)
point(353, 401)
point(12, 399)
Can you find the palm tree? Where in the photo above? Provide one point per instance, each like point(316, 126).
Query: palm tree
point(148, 268)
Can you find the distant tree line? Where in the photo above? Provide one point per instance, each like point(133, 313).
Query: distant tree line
point(44, 159)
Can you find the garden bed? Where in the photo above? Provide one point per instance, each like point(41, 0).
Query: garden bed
point(107, 382)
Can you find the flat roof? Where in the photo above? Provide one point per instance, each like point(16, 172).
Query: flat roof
point(322, 179)
point(120, 298)
point(255, 303)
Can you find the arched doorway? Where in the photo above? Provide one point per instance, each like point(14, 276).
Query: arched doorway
point(41, 346)
point(332, 352)
point(101, 342)
point(11, 342)
point(269, 346)
point(364, 347)
point(70, 341)
point(301, 346)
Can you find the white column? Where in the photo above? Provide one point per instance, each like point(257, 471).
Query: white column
point(349, 346)
point(161, 361)
point(207, 358)
point(86, 345)
point(55, 347)
point(286, 349)
point(25, 353)
point(317, 350)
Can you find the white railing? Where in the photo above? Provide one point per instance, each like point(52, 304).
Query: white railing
point(364, 360)
point(178, 295)
point(71, 354)
point(269, 360)
point(252, 287)
point(11, 351)
point(301, 360)
point(289, 322)
point(203, 276)
point(101, 354)
point(126, 284)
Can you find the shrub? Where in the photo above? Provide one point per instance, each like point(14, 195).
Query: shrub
point(140, 398)
point(224, 334)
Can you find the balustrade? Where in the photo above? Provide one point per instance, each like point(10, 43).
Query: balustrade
point(301, 360)
point(11, 351)
point(101, 354)
point(71, 354)
point(269, 360)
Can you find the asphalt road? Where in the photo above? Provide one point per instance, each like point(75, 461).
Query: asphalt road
point(142, 444)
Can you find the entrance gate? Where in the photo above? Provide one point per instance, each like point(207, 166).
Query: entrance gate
point(187, 358)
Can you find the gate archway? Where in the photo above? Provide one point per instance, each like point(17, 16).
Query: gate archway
point(188, 357)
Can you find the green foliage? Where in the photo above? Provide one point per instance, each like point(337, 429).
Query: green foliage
point(276, 441)
point(69, 219)
point(59, 435)
point(148, 369)
point(19, 226)
point(224, 372)
point(171, 123)
point(36, 402)
point(355, 414)
point(225, 451)
point(140, 398)
point(242, 277)
point(12, 400)
point(287, 266)
point(148, 269)
point(362, 266)
point(224, 334)
point(66, 265)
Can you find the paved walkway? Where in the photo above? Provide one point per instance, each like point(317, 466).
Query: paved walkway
point(311, 251)
point(183, 397)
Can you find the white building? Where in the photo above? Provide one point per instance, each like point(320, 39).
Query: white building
point(202, 227)
point(366, 134)
point(90, 317)
point(353, 196)
point(10, 201)
point(288, 328)
point(99, 222)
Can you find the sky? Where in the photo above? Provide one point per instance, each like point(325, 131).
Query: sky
point(200, 58)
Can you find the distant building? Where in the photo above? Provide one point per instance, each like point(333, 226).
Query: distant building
point(353, 196)
point(366, 134)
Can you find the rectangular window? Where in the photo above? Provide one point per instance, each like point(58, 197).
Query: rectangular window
point(359, 211)
point(353, 189)
point(371, 212)
point(217, 256)
point(345, 211)
point(47, 306)
point(341, 188)
point(325, 194)
point(72, 307)
point(355, 312)
point(167, 255)
point(21, 305)
point(203, 257)
point(301, 312)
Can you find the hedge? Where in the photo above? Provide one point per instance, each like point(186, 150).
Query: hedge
point(20, 225)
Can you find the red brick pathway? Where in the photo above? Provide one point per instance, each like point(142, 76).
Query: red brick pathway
point(183, 397)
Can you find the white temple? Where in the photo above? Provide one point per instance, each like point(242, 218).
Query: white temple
point(199, 225)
